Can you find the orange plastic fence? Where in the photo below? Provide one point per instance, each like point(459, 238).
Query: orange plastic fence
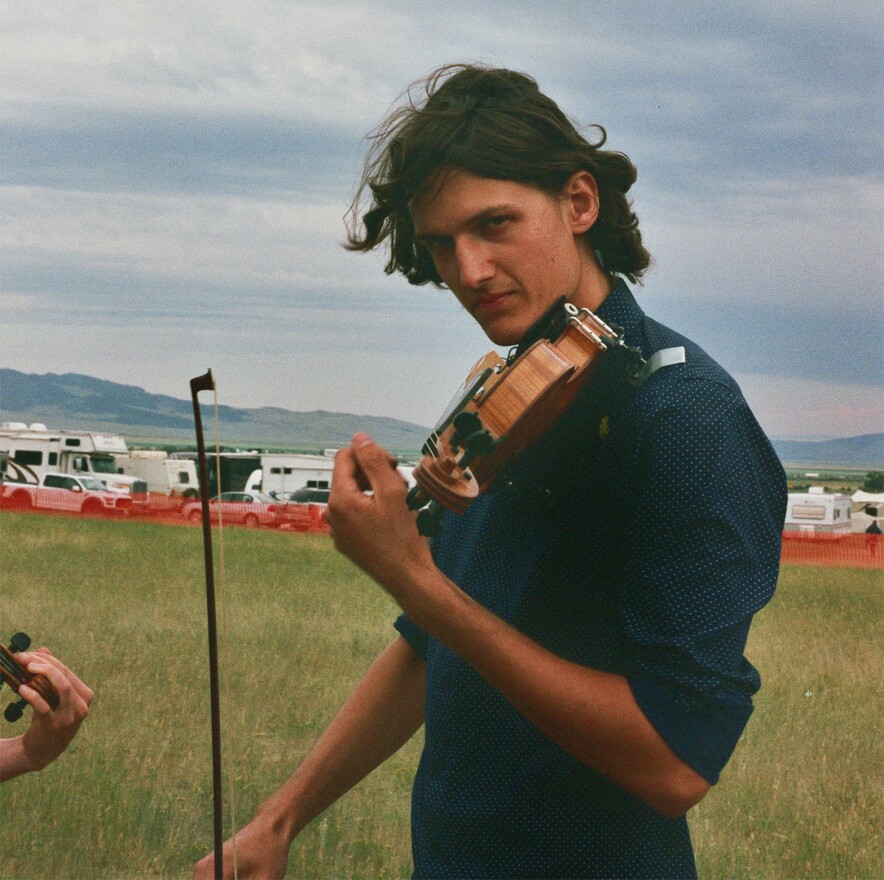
point(856, 551)
point(167, 510)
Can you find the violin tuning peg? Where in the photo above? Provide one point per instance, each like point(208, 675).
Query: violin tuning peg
point(14, 711)
point(465, 424)
point(429, 520)
point(20, 642)
point(467, 421)
point(416, 498)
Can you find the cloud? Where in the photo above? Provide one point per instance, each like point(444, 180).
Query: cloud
point(129, 151)
point(275, 58)
point(805, 244)
point(794, 407)
point(175, 177)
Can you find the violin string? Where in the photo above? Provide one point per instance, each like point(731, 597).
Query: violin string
point(12, 666)
point(11, 669)
point(431, 447)
point(13, 673)
point(225, 664)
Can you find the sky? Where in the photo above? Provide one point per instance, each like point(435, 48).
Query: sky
point(175, 176)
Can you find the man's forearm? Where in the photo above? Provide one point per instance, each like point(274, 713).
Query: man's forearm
point(379, 717)
point(589, 713)
point(14, 759)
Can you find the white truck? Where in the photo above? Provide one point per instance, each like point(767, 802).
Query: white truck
point(34, 450)
point(65, 492)
point(169, 476)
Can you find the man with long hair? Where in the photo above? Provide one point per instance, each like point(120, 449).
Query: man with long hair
point(573, 643)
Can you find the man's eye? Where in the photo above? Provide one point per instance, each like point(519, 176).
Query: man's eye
point(496, 222)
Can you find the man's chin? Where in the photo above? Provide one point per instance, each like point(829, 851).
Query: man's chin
point(503, 336)
point(505, 332)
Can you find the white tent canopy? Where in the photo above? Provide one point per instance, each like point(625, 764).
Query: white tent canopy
point(866, 508)
point(860, 500)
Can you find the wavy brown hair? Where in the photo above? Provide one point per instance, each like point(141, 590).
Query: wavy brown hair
point(494, 123)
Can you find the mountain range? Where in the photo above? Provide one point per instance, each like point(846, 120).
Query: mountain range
point(75, 402)
point(71, 401)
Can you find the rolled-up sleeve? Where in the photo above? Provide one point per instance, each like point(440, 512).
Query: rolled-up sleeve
point(412, 634)
point(704, 544)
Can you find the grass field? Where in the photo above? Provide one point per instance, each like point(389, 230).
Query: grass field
point(123, 604)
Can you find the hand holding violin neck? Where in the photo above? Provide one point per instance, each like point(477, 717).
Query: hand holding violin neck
point(15, 674)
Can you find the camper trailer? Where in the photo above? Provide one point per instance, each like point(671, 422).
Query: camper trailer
point(163, 475)
point(283, 473)
point(227, 472)
point(815, 511)
point(34, 450)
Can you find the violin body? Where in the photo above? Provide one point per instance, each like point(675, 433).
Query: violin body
point(504, 408)
point(15, 675)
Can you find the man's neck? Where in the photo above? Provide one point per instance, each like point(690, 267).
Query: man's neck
point(595, 286)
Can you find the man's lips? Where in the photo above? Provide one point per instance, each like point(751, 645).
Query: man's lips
point(492, 300)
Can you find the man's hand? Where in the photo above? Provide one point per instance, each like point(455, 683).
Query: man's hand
point(377, 531)
point(261, 854)
point(51, 730)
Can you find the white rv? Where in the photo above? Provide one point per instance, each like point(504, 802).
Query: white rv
point(287, 472)
point(34, 450)
point(168, 476)
point(816, 511)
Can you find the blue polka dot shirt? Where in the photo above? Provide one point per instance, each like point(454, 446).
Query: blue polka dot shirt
point(639, 537)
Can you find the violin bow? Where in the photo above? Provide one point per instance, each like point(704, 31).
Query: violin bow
point(197, 384)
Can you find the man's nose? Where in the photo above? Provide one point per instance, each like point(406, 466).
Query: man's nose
point(474, 263)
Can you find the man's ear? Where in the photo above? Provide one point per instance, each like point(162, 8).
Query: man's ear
point(580, 196)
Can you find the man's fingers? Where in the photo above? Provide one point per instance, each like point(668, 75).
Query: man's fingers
point(54, 676)
point(362, 467)
point(34, 700)
point(59, 676)
point(378, 465)
point(347, 477)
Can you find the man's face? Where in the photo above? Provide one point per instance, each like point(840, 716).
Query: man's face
point(508, 251)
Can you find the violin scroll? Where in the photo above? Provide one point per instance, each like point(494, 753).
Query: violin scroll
point(14, 674)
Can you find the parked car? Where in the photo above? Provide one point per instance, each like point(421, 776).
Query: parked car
point(307, 495)
point(64, 492)
point(249, 508)
point(302, 517)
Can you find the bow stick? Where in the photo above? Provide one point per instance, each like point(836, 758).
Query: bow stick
point(197, 384)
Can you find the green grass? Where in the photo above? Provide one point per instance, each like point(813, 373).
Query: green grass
point(801, 796)
point(124, 605)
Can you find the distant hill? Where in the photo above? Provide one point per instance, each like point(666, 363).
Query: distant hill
point(867, 450)
point(73, 401)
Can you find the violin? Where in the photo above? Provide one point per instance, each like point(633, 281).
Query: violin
point(14, 674)
point(506, 406)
